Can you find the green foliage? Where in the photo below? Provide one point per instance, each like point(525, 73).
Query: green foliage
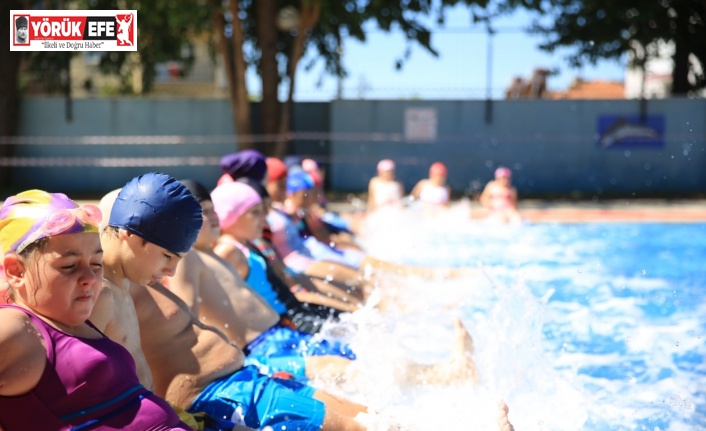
point(592, 29)
point(164, 28)
point(350, 19)
point(47, 71)
point(344, 19)
point(596, 30)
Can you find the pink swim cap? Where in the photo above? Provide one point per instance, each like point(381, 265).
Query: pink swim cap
point(437, 168)
point(232, 200)
point(310, 165)
point(386, 165)
point(503, 172)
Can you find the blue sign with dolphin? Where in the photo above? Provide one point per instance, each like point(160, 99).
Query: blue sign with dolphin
point(630, 131)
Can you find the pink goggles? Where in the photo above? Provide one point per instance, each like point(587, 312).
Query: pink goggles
point(85, 218)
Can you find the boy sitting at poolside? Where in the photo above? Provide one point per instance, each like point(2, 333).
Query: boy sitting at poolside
point(192, 367)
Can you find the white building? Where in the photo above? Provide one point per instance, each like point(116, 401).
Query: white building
point(655, 82)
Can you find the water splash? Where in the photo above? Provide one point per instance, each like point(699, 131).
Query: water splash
point(576, 326)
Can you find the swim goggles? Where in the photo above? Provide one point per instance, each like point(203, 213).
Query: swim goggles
point(85, 218)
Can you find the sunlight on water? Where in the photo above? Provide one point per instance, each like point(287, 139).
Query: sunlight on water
point(576, 326)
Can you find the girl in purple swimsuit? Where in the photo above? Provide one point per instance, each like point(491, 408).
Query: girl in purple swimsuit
point(57, 371)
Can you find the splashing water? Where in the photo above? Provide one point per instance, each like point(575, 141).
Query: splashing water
point(575, 326)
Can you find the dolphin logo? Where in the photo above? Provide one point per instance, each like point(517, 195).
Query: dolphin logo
point(623, 130)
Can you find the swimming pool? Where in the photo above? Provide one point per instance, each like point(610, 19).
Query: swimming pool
point(592, 326)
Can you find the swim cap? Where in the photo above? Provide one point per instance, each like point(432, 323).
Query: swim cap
point(197, 189)
point(256, 185)
point(106, 206)
point(503, 172)
point(231, 201)
point(386, 165)
point(35, 214)
point(276, 169)
point(299, 180)
point(225, 178)
point(310, 165)
point(21, 22)
point(437, 168)
point(159, 209)
point(290, 161)
point(316, 178)
point(245, 163)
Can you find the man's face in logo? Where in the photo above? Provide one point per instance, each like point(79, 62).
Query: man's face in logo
point(22, 33)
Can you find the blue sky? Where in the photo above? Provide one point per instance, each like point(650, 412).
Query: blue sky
point(460, 71)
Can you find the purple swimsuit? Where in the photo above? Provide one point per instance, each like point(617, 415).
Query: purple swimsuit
point(87, 384)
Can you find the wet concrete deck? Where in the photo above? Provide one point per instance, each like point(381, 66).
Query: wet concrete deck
point(638, 210)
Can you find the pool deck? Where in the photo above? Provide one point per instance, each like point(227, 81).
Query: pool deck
point(639, 210)
point(635, 211)
point(625, 211)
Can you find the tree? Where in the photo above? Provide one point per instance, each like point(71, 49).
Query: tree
point(9, 88)
point(603, 30)
point(252, 34)
point(276, 50)
point(164, 28)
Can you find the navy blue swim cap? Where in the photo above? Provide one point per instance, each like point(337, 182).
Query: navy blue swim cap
point(159, 209)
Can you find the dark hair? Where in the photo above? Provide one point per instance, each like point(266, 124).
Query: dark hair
point(256, 185)
point(197, 189)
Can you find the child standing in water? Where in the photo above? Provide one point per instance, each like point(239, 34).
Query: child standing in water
point(384, 190)
point(499, 198)
point(433, 191)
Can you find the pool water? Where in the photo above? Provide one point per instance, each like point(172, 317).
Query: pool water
point(591, 326)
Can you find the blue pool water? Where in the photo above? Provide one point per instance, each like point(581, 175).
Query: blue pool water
point(594, 326)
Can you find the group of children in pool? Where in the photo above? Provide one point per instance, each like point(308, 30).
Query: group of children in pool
point(498, 200)
point(172, 307)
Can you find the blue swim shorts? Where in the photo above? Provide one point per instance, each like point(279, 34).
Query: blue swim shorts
point(281, 348)
point(260, 401)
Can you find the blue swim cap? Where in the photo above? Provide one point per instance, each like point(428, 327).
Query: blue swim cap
point(159, 209)
point(298, 180)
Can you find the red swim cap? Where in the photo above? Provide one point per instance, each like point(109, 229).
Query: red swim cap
point(437, 168)
point(276, 169)
point(225, 178)
point(318, 181)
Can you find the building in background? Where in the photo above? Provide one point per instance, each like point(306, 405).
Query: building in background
point(596, 89)
point(655, 81)
point(204, 79)
point(536, 87)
